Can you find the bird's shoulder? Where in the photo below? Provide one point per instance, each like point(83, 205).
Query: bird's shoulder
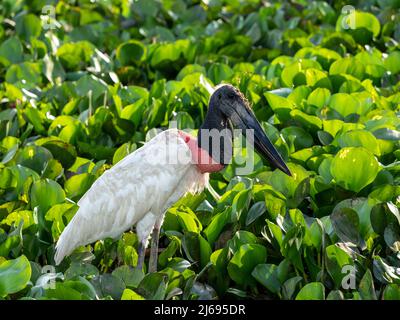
point(160, 150)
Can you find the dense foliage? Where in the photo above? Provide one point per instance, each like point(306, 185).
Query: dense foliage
point(79, 96)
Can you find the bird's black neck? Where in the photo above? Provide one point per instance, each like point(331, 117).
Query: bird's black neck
point(215, 137)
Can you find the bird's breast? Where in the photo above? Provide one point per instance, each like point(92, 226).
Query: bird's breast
point(202, 159)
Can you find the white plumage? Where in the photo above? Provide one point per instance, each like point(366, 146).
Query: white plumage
point(136, 191)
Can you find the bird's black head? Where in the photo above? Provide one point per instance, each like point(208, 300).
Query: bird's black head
point(228, 110)
point(226, 99)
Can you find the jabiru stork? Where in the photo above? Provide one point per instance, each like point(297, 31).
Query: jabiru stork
point(140, 188)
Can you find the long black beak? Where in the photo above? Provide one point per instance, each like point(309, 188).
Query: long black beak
point(244, 118)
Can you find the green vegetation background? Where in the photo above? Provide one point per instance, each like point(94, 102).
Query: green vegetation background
point(83, 85)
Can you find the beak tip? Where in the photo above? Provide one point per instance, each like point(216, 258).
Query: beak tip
point(286, 170)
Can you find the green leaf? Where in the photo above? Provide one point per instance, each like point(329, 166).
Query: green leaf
point(196, 248)
point(266, 274)
point(66, 291)
point(168, 52)
point(108, 285)
point(14, 275)
point(77, 269)
point(11, 51)
point(301, 138)
point(73, 55)
point(332, 126)
point(299, 94)
point(281, 106)
point(311, 123)
point(312, 291)
point(189, 69)
point(37, 119)
point(345, 104)
point(122, 152)
point(130, 276)
point(243, 262)
point(33, 157)
point(359, 138)
point(56, 214)
point(219, 72)
point(240, 203)
point(256, 211)
point(294, 73)
point(14, 218)
point(90, 85)
point(76, 186)
point(391, 292)
point(366, 287)
point(133, 112)
point(289, 287)
point(363, 207)
point(131, 51)
point(275, 206)
point(156, 113)
point(392, 237)
point(12, 241)
point(129, 294)
point(276, 231)
point(184, 121)
point(187, 219)
point(153, 286)
point(337, 259)
point(357, 20)
point(217, 224)
point(62, 151)
point(345, 222)
point(392, 62)
point(284, 184)
point(25, 74)
point(335, 295)
point(319, 97)
point(385, 193)
point(169, 252)
point(325, 137)
point(324, 56)
point(53, 170)
point(205, 252)
point(240, 238)
point(28, 26)
point(384, 272)
point(7, 179)
point(45, 194)
point(353, 168)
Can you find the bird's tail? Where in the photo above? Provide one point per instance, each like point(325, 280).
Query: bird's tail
point(66, 243)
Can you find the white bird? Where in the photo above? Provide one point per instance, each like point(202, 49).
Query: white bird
point(140, 188)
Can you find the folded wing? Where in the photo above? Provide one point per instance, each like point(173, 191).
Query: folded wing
point(149, 180)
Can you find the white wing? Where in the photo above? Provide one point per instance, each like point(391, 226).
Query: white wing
point(147, 181)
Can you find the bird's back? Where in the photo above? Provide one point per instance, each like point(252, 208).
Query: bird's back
point(149, 180)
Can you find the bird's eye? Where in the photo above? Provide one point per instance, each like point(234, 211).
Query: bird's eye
point(219, 96)
point(231, 95)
